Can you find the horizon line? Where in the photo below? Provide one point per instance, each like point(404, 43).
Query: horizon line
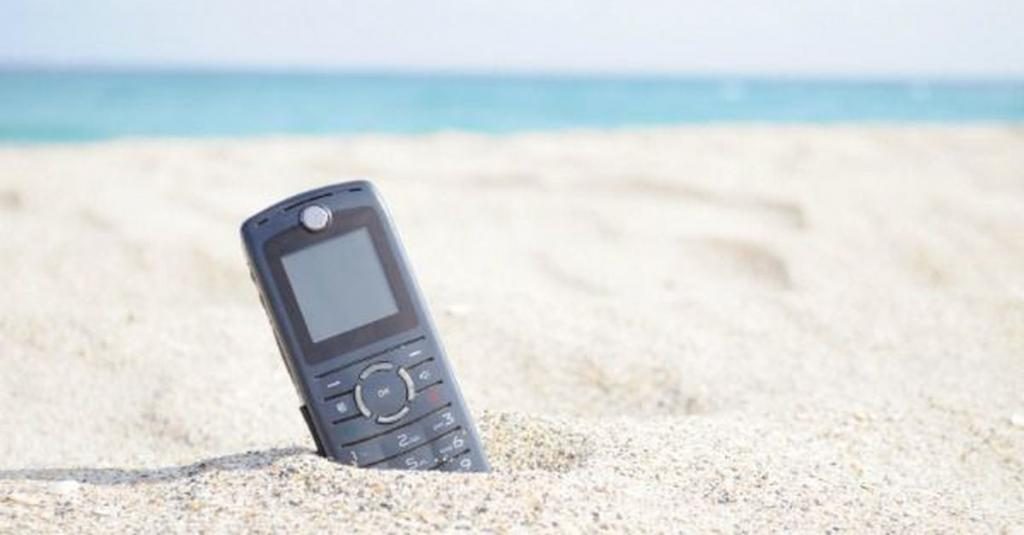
point(481, 72)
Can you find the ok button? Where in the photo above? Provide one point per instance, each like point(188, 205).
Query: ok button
point(382, 392)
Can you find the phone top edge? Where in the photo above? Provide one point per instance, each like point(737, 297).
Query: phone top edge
point(293, 201)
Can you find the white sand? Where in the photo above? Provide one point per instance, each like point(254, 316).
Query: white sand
point(741, 329)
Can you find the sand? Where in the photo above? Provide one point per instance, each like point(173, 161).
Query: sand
point(733, 329)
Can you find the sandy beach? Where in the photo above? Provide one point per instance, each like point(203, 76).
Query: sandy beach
point(728, 329)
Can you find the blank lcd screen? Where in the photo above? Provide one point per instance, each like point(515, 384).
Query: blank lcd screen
point(339, 285)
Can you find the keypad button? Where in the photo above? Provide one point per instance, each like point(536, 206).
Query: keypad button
point(451, 445)
point(441, 422)
point(343, 407)
point(382, 392)
point(342, 381)
point(412, 353)
point(469, 461)
point(425, 374)
point(364, 454)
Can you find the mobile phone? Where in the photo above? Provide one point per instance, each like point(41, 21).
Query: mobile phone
point(355, 333)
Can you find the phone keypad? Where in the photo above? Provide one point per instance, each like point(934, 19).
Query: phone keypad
point(398, 413)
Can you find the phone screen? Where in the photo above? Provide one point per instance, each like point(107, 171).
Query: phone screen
point(339, 284)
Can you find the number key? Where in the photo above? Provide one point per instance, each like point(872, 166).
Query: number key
point(465, 462)
point(450, 445)
point(418, 459)
point(440, 422)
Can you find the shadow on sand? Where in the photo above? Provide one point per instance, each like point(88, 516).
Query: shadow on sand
point(253, 460)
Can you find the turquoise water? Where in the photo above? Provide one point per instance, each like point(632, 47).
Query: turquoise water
point(72, 106)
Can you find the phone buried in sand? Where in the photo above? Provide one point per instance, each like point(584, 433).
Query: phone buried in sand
point(355, 333)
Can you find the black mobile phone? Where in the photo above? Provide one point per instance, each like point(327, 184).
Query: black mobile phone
point(356, 335)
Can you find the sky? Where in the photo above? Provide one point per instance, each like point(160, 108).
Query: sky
point(910, 38)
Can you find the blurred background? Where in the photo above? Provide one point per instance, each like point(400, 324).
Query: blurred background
point(112, 68)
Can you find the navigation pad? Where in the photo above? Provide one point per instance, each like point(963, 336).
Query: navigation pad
point(383, 392)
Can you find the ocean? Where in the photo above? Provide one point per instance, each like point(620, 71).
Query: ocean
point(37, 106)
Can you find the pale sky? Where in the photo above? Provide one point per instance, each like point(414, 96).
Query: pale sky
point(949, 38)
